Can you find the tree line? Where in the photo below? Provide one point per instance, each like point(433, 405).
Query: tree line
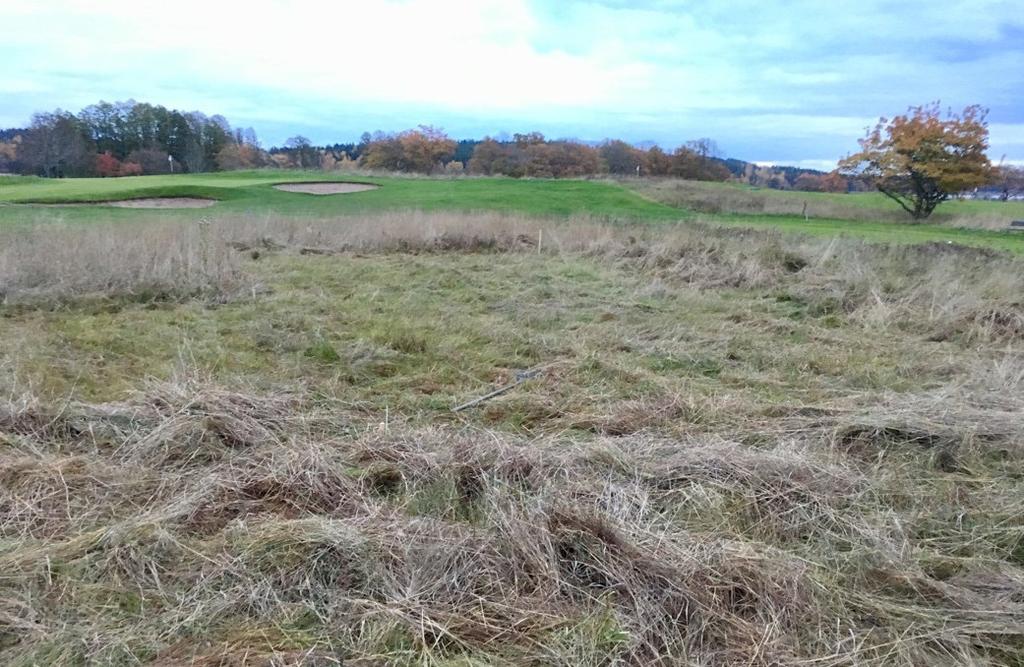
point(428, 150)
point(131, 138)
point(122, 138)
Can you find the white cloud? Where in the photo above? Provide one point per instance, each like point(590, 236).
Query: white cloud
point(474, 54)
point(744, 72)
point(822, 164)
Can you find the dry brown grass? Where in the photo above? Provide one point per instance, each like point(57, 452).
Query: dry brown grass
point(197, 523)
point(719, 198)
point(938, 290)
point(261, 525)
point(52, 263)
point(943, 291)
point(715, 198)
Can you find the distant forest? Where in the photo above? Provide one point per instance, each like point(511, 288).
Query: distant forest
point(132, 138)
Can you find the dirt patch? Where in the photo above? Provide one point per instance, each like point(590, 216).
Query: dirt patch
point(325, 188)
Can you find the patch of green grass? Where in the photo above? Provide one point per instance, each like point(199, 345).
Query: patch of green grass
point(253, 193)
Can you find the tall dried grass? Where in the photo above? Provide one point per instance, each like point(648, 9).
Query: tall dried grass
point(200, 524)
point(716, 198)
point(193, 524)
point(937, 290)
point(47, 263)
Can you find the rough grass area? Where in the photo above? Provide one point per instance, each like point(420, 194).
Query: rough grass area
point(740, 448)
point(865, 207)
point(155, 262)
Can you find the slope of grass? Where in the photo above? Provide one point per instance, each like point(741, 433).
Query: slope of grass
point(252, 192)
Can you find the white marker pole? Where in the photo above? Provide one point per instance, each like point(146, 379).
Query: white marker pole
point(170, 163)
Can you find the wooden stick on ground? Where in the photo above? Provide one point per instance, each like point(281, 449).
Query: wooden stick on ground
point(521, 377)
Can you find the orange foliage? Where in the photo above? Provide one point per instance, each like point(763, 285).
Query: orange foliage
point(238, 156)
point(424, 150)
point(107, 165)
point(130, 169)
point(920, 159)
point(9, 150)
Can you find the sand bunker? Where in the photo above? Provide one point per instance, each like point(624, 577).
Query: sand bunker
point(147, 202)
point(325, 188)
point(162, 202)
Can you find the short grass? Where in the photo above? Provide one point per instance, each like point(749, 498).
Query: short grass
point(253, 193)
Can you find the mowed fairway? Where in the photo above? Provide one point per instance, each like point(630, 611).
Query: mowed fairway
point(867, 216)
point(253, 192)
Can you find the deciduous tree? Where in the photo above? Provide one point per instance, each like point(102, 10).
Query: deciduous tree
point(57, 145)
point(384, 152)
point(920, 159)
point(151, 161)
point(107, 166)
point(489, 158)
point(621, 158)
point(1010, 181)
point(809, 182)
point(659, 163)
point(304, 155)
point(423, 150)
point(561, 159)
point(833, 181)
point(692, 165)
point(9, 154)
point(131, 169)
point(426, 149)
point(239, 156)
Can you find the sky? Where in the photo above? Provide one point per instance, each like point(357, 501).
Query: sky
point(783, 82)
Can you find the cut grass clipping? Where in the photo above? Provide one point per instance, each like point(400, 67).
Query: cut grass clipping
point(273, 527)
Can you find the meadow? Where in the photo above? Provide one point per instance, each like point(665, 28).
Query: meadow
point(737, 199)
point(227, 436)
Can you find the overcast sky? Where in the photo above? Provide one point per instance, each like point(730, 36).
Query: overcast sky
point(788, 81)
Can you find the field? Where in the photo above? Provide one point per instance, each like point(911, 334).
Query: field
point(866, 216)
point(227, 435)
point(252, 193)
point(874, 207)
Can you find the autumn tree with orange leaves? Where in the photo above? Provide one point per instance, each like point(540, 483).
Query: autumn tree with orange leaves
point(920, 159)
point(426, 149)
